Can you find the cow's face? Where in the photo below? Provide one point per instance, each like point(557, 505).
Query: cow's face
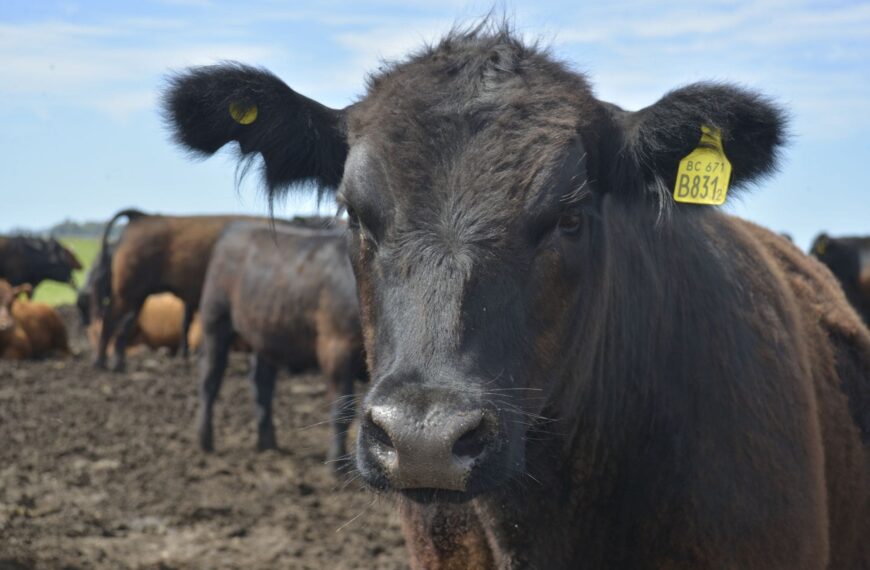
point(61, 262)
point(476, 176)
point(469, 243)
point(842, 259)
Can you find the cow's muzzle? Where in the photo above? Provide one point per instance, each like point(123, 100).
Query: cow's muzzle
point(437, 448)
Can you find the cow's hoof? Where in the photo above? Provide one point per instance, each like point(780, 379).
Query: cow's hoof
point(266, 441)
point(119, 366)
point(206, 441)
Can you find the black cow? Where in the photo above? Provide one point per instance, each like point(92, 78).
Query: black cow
point(570, 369)
point(26, 259)
point(848, 258)
point(289, 293)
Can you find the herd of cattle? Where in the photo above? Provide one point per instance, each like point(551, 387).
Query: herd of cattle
point(567, 368)
point(283, 290)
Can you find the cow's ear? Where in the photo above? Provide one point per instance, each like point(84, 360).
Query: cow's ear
point(25, 288)
point(299, 139)
point(658, 137)
point(820, 244)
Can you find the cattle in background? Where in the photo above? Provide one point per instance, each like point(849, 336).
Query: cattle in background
point(32, 260)
point(569, 366)
point(85, 295)
point(290, 294)
point(27, 329)
point(848, 258)
point(158, 325)
point(154, 254)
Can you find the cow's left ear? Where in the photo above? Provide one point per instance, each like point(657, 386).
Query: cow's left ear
point(658, 137)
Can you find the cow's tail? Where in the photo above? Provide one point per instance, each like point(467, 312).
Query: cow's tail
point(102, 282)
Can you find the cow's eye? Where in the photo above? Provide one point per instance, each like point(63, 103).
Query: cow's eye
point(570, 224)
point(352, 218)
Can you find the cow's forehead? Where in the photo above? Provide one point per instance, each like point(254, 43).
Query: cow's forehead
point(474, 115)
point(473, 80)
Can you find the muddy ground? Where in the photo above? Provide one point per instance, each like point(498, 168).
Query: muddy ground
point(99, 470)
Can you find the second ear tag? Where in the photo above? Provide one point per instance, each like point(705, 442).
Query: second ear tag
point(704, 173)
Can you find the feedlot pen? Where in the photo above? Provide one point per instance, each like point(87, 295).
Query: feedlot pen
point(102, 470)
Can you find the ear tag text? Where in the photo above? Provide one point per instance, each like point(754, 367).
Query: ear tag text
point(243, 114)
point(704, 173)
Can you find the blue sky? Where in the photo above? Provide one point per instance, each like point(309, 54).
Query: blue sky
point(81, 136)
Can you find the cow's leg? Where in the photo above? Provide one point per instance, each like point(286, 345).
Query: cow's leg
point(212, 364)
point(106, 333)
point(185, 330)
point(263, 375)
point(126, 324)
point(336, 363)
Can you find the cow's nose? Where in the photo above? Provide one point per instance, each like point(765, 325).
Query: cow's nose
point(435, 450)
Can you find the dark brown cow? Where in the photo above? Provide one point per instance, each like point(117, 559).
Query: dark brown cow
point(290, 294)
point(570, 369)
point(155, 254)
point(848, 258)
point(25, 259)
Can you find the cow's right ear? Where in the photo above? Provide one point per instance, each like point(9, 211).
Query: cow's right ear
point(299, 139)
point(25, 288)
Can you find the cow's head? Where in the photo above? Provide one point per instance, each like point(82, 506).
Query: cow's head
point(843, 258)
point(478, 177)
point(49, 259)
point(8, 295)
point(62, 262)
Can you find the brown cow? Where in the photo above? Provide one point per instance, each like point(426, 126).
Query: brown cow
point(154, 254)
point(570, 368)
point(28, 329)
point(159, 325)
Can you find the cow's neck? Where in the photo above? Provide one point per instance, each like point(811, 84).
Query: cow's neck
point(596, 495)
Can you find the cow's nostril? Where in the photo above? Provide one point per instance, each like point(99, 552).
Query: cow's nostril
point(471, 443)
point(378, 433)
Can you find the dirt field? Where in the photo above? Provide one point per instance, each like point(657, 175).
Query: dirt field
point(101, 471)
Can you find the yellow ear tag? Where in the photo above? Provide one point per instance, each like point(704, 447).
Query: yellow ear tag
point(822, 246)
point(243, 114)
point(703, 175)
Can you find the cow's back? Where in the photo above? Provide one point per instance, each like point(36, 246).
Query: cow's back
point(839, 347)
point(283, 288)
point(167, 253)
